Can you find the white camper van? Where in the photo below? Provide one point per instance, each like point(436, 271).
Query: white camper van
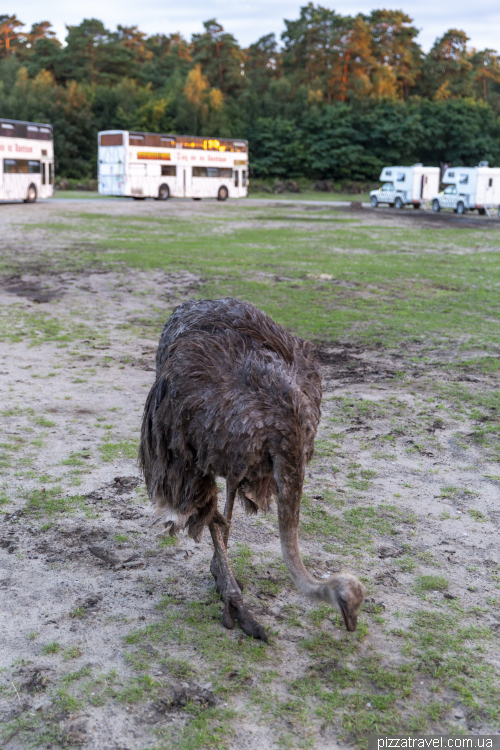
point(406, 185)
point(469, 188)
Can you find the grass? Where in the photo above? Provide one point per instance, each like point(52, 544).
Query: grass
point(430, 295)
point(51, 648)
point(51, 501)
point(112, 451)
point(430, 583)
point(379, 283)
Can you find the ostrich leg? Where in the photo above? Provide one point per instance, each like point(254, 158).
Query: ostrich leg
point(228, 514)
point(234, 609)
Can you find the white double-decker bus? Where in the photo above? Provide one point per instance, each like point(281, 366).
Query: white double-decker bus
point(26, 160)
point(151, 165)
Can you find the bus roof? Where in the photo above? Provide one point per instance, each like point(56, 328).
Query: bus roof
point(25, 122)
point(156, 140)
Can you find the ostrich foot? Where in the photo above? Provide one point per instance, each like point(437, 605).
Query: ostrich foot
point(229, 589)
point(234, 609)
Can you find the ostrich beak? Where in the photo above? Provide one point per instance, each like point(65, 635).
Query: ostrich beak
point(351, 621)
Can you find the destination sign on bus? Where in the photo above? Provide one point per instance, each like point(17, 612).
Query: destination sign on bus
point(162, 156)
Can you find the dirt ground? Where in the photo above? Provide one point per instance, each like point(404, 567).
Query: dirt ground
point(110, 637)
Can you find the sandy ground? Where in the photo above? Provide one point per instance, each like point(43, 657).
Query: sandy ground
point(83, 579)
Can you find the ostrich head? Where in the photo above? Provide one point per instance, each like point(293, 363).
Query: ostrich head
point(346, 593)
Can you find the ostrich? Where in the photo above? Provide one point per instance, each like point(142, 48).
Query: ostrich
point(238, 397)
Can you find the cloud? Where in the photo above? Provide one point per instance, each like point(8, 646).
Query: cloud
point(248, 21)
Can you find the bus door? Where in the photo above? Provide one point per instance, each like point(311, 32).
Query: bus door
point(187, 182)
point(237, 180)
point(47, 177)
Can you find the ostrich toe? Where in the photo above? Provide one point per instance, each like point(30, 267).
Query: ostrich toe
point(234, 609)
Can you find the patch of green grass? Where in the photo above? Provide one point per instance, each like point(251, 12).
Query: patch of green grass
point(168, 540)
point(51, 648)
point(180, 668)
point(112, 451)
point(85, 671)
point(211, 729)
point(44, 422)
point(73, 652)
point(477, 515)
point(352, 528)
point(76, 459)
point(430, 583)
point(50, 501)
point(241, 556)
point(121, 537)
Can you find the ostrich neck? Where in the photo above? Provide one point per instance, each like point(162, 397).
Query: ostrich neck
point(289, 537)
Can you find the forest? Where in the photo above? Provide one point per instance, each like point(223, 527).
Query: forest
point(335, 98)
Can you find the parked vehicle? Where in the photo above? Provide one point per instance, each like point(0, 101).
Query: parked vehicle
point(469, 189)
point(406, 185)
point(26, 161)
point(151, 165)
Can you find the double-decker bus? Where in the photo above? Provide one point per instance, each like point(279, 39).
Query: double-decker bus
point(26, 160)
point(151, 165)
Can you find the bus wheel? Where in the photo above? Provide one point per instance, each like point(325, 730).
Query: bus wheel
point(163, 193)
point(31, 196)
point(374, 201)
point(222, 194)
point(435, 205)
point(461, 208)
point(398, 203)
point(197, 199)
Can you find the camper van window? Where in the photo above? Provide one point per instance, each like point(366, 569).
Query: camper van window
point(450, 190)
point(389, 174)
point(490, 182)
point(401, 177)
point(451, 174)
point(387, 186)
point(464, 179)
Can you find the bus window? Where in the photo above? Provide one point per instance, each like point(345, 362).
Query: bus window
point(44, 173)
point(212, 172)
point(236, 177)
point(168, 170)
point(243, 178)
point(51, 173)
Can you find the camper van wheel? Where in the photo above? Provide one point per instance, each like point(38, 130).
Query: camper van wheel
point(435, 205)
point(222, 194)
point(416, 205)
point(398, 203)
point(481, 211)
point(163, 193)
point(461, 207)
point(374, 201)
point(31, 195)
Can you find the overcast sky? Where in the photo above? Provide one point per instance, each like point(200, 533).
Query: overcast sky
point(250, 19)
